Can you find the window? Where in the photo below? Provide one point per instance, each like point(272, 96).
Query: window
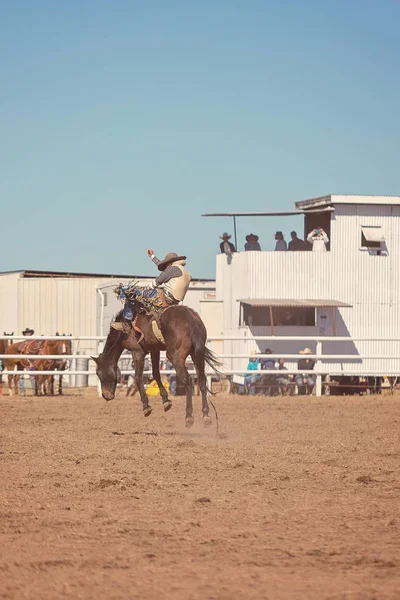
point(285, 316)
point(371, 236)
point(105, 299)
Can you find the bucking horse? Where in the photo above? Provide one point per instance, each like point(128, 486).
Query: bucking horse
point(180, 331)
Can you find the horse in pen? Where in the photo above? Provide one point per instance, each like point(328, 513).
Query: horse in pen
point(181, 333)
point(43, 385)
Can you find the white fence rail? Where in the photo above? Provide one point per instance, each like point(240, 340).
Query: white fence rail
point(321, 364)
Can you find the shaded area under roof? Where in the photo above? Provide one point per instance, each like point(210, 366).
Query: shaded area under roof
point(293, 302)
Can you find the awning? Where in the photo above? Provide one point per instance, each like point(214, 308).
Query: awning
point(307, 211)
point(373, 233)
point(254, 214)
point(293, 302)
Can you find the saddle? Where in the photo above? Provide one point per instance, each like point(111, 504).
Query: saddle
point(155, 325)
point(31, 347)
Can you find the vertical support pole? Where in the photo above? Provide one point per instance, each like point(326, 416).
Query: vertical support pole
point(271, 318)
point(234, 232)
point(333, 319)
point(318, 369)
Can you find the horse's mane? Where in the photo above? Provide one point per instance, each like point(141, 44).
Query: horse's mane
point(113, 335)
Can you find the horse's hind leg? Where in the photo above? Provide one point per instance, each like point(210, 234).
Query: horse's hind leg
point(183, 375)
point(155, 362)
point(201, 377)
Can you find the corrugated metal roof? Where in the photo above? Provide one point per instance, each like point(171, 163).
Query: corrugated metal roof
point(347, 199)
point(292, 302)
point(74, 274)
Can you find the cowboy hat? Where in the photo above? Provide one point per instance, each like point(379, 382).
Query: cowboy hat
point(169, 258)
point(251, 236)
point(28, 331)
point(306, 351)
point(225, 235)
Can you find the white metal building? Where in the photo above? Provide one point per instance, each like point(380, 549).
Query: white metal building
point(58, 302)
point(351, 290)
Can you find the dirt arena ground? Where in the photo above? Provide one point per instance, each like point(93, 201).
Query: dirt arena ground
point(297, 498)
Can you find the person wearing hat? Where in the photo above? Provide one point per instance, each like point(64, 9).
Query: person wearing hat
point(252, 242)
point(226, 246)
point(28, 331)
point(280, 245)
point(168, 289)
point(305, 380)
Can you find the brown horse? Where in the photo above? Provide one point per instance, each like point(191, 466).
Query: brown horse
point(36, 347)
point(25, 347)
point(184, 334)
point(5, 343)
point(45, 383)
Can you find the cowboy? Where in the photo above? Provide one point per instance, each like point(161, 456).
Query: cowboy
point(252, 242)
point(305, 381)
point(175, 280)
point(226, 246)
point(28, 332)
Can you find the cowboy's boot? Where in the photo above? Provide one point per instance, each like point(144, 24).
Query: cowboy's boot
point(125, 326)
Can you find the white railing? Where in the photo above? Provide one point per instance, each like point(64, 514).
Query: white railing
point(321, 366)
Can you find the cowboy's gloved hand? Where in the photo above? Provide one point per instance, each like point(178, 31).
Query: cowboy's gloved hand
point(150, 253)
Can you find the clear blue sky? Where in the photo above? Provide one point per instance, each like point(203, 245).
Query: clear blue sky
point(121, 122)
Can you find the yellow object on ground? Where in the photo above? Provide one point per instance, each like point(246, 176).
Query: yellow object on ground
point(153, 390)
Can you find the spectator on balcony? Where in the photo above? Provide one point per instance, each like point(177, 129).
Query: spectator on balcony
point(226, 246)
point(318, 238)
point(252, 242)
point(297, 244)
point(281, 245)
point(305, 381)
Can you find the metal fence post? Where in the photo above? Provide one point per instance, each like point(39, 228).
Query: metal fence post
point(318, 352)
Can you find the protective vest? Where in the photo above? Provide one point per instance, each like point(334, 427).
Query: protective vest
point(178, 286)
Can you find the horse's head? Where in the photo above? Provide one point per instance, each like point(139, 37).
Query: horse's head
point(109, 375)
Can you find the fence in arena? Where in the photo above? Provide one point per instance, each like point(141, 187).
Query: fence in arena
point(321, 368)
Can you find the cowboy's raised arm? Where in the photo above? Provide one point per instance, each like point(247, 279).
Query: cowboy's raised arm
point(153, 257)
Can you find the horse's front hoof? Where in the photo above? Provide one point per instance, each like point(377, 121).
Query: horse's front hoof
point(167, 405)
point(189, 421)
point(207, 421)
point(147, 411)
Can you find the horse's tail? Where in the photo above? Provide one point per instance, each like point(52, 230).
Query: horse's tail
point(202, 354)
